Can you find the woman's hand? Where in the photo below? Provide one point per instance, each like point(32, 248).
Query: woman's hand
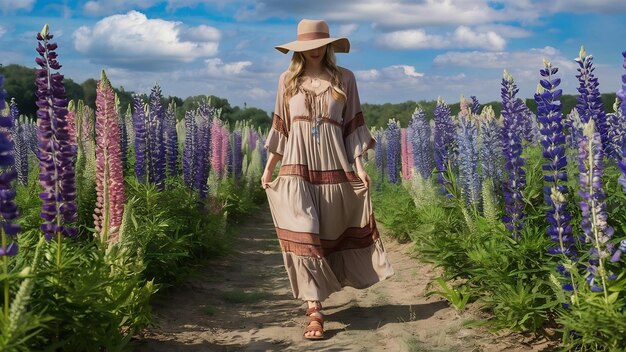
point(266, 178)
point(364, 177)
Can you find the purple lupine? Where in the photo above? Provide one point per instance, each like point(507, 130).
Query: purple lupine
point(593, 206)
point(445, 139)
point(20, 149)
point(8, 207)
point(171, 140)
point(512, 110)
point(528, 125)
point(616, 133)
point(156, 144)
point(490, 148)
point(621, 94)
point(379, 158)
point(56, 154)
point(189, 168)
point(217, 144)
point(226, 151)
point(475, 107)
point(469, 179)
point(141, 139)
point(550, 119)
point(392, 136)
point(29, 133)
point(202, 150)
point(123, 133)
point(253, 139)
point(237, 155)
point(419, 135)
point(590, 106)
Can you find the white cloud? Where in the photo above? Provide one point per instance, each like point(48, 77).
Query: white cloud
point(2, 31)
point(407, 70)
point(346, 30)
point(217, 68)
point(134, 41)
point(13, 5)
point(505, 30)
point(463, 37)
point(367, 75)
point(531, 59)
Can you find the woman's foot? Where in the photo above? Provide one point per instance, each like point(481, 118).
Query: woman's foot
point(315, 328)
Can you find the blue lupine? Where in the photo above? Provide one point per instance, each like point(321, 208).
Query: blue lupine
point(512, 110)
point(56, 153)
point(621, 95)
point(380, 157)
point(445, 140)
point(8, 207)
point(593, 206)
point(392, 136)
point(202, 152)
point(590, 106)
point(490, 149)
point(419, 135)
point(171, 140)
point(189, 168)
point(156, 144)
point(20, 149)
point(555, 169)
point(616, 133)
point(475, 107)
point(237, 155)
point(469, 179)
point(141, 139)
point(123, 136)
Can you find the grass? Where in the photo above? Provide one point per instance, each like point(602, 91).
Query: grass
point(240, 296)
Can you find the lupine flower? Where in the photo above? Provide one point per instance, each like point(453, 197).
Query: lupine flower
point(123, 133)
point(156, 144)
point(20, 150)
point(621, 95)
point(490, 148)
point(475, 108)
point(616, 134)
point(406, 152)
point(226, 151)
point(217, 161)
point(590, 106)
point(202, 150)
point(8, 207)
point(171, 140)
point(56, 153)
point(71, 122)
point(141, 140)
point(29, 133)
point(253, 139)
point(594, 217)
point(237, 155)
point(528, 126)
point(188, 149)
point(469, 179)
point(465, 107)
point(380, 157)
point(392, 136)
point(109, 172)
point(445, 139)
point(512, 110)
point(419, 137)
point(555, 169)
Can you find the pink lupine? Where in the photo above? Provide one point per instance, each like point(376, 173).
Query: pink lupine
point(71, 122)
point(406, 163)
point(216, 147)
point(109, 177)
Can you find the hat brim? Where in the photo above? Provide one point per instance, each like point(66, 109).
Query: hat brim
point(341, 45)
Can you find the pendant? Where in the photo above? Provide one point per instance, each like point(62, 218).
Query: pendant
point(316, 83)
point(315, 129)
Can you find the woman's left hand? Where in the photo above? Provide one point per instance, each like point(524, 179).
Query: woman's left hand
point(364, 177)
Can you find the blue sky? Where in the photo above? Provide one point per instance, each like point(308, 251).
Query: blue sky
point(401, 50)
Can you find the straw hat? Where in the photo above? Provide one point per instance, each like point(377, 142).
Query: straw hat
point(314, 34)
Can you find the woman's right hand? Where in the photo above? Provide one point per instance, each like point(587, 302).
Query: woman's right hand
point(266, 179)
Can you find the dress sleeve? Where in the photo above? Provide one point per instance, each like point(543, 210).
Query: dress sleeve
point(356, 136)
point(278, 134)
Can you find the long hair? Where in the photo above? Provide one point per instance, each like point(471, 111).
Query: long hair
point(296, 71)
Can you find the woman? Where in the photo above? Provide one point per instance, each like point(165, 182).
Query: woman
point(321, 208)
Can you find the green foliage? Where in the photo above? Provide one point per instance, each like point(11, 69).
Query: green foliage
point(458, 297)
point(395, 210)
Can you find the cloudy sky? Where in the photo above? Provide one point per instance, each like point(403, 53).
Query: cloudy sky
point(401, 49)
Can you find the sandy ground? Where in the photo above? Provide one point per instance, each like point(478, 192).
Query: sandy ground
point(243, 302)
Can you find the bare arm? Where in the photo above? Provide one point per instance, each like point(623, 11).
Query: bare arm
point(272, 160)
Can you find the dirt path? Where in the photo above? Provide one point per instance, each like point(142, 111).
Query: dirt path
point(243, 302)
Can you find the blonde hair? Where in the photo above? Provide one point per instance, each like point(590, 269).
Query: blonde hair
point(296, 71)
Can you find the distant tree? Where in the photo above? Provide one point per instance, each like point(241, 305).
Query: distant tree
point(257, 117)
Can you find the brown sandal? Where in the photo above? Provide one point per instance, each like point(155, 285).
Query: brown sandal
point(314, 318)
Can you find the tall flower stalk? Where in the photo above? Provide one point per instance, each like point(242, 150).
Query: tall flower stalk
point(20, 149)
point(171, 140)
point(202, 147)
point(123, 132)
point(419, 137)
point(490, 148)
point(405, 147)
point(237, 155)
point(379, 157)
point(156, 145)
point(445, 139)
point(392, 136)
point(590, 106)
point(217, 145)
point(621, 95)
point(141, 139)
point(512, 110)
point(469, 179)
point(593, 207)
point(56, 153)
point(475, 107)
point(189, 167)
point(109, 169)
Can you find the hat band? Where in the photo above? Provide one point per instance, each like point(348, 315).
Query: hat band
point(313, 35)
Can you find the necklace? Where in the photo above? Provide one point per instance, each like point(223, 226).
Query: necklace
point(315, 81)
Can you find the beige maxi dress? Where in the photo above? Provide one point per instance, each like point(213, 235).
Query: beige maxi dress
point(321, 210)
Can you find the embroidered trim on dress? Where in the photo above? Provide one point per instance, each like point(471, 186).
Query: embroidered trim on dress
point(324, 119)
point(279, 125)
point(355, 123)
point(318, 177)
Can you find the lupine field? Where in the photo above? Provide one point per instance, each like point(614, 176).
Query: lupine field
point(522, 213)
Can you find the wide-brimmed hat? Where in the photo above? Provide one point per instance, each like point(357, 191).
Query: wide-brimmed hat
point(314, 34)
